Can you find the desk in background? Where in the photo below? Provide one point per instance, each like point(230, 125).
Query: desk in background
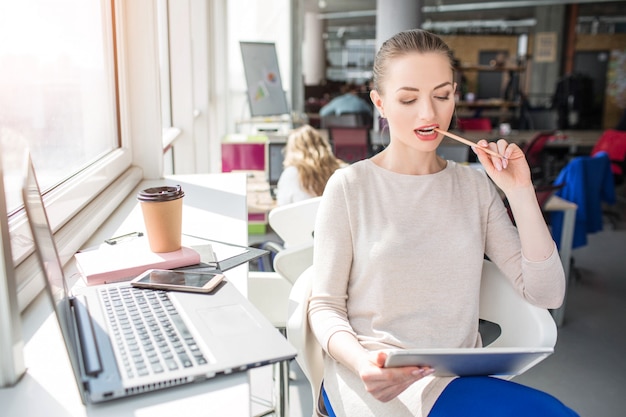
point(214, 208)
point(259, 201)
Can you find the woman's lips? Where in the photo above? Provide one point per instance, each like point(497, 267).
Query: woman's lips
point(426, 134)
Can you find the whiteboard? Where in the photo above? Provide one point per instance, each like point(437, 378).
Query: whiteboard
point(265, 88)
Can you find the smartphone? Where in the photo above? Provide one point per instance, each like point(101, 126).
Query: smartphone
point(191, 281)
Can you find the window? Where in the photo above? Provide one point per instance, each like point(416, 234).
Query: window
point(57, 85)
point(64, 97)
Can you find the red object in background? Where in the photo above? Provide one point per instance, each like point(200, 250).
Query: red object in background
point(476, 124)
point(243, 157)
point(613, 142)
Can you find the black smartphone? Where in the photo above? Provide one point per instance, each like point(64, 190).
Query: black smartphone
point(191, 281)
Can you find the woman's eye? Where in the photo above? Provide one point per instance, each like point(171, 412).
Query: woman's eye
point(408, 101)
point(443, 98)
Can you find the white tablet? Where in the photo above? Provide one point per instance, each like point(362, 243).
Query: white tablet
point(470, 361)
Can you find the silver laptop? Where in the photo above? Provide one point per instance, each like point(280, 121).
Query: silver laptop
point(124, 341)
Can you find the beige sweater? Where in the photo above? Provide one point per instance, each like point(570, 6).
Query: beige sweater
point(398, 263)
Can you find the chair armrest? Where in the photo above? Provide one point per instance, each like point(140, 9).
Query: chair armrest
point(269, 293)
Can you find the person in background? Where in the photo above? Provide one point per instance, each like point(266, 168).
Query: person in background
point(309, 162)
point(400, 241)
point(348, 102)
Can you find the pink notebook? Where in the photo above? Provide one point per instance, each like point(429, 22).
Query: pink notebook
point(123, 262)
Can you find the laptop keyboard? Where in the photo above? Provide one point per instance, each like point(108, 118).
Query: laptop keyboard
point(149, 335)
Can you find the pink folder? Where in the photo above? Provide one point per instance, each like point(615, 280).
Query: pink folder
point(125, 261)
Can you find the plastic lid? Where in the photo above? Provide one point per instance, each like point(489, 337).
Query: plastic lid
point(165, 193)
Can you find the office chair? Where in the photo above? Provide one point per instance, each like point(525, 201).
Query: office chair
point(350, 144)
point(520, 323)
point(294, 222)
point(343, 120)
point(482, 124)
point(613, 142)
point(587, 182)
point(538, 162)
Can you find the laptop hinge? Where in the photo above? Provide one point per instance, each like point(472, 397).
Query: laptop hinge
point(87, 337)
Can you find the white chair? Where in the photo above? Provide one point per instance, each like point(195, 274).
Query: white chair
point(294, 222)
point(521, 323)
point(269, 291)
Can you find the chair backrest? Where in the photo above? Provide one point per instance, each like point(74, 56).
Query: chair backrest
point(350, 144)
point(482, 124)
point(521, 324)
point(292, 261)
point(535, 146)
point(347, 120)
point(588, 183)
point(294, 222)
point(613, 142)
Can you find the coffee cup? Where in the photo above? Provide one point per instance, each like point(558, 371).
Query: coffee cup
point(162, 209)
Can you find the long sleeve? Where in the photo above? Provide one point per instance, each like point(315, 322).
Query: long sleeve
point(398, 262)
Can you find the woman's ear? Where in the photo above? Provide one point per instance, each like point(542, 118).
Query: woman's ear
point(378, 101)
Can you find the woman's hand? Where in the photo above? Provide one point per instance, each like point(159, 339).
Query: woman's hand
point(385, 384)
point(508, 173)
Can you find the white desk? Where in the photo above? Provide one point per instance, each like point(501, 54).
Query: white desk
point(214, 208)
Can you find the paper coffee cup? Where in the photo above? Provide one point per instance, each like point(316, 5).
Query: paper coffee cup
point(162, 209)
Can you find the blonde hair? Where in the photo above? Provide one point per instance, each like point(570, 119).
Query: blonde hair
point(402, 43)
point(312, 155)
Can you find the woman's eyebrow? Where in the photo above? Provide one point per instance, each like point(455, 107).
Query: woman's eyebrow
point(442, 85)
point(437, 87)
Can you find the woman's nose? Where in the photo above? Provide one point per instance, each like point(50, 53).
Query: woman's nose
point(426, 110)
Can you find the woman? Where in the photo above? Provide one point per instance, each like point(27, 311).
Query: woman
point(309, 162)
point(399, 246)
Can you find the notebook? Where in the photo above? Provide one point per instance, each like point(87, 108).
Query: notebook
point(497, 361)
point(201, 335)
point(127, 260)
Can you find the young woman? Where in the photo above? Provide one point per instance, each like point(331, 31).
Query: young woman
point(399, 246)
point(309, 162)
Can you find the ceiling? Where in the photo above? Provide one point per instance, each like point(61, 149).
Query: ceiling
point(448, 13)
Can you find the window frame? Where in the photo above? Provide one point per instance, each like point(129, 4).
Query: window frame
point(77, 207)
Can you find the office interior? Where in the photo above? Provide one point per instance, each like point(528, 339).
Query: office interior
point(109, 95)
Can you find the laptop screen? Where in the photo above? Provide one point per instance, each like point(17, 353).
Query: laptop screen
point(49, 261)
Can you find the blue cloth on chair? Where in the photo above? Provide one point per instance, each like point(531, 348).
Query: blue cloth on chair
point(588, 182)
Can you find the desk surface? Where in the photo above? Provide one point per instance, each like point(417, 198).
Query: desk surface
point(214, 208)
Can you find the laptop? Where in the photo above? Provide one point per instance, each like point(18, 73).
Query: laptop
point(193, 337)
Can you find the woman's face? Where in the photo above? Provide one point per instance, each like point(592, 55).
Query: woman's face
point(418, 96)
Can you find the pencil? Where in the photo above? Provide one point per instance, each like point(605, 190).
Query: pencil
point(468, 142)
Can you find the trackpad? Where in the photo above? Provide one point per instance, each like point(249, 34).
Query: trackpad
point(228, 320)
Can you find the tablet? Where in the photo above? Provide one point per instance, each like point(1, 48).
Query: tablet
point(497, 361)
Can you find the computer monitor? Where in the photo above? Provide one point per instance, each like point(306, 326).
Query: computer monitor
point(275, 158)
